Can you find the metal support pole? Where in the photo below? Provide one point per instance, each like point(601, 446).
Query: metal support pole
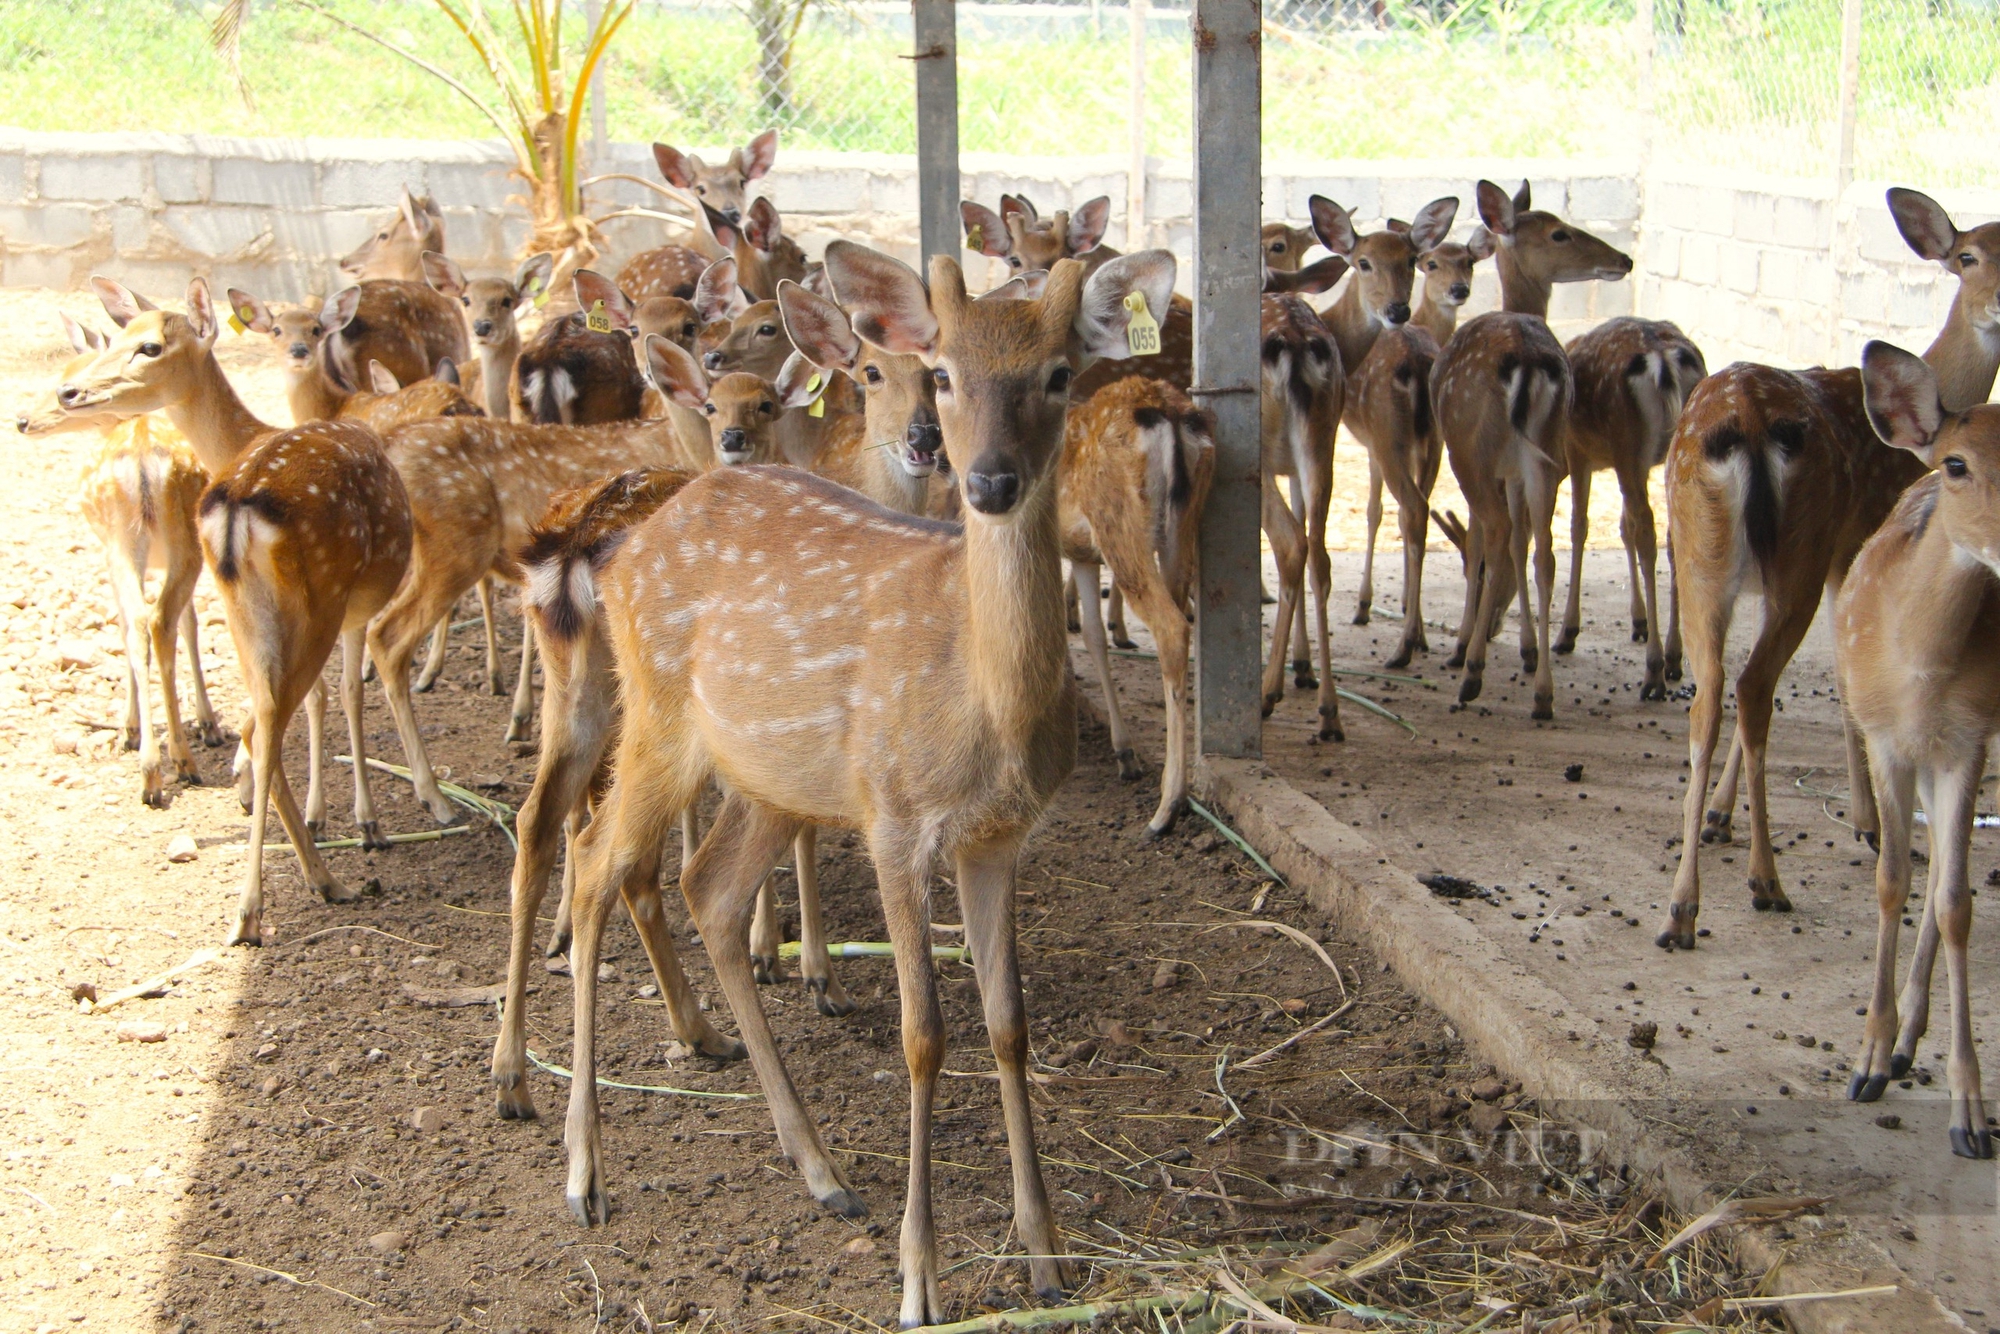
point(1228, 276)
point(593, 12)
point(934, 25)
point(1135, 120)
point(1850, 92)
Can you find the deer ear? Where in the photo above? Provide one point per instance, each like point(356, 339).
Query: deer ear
point(1332, 225)
point(1524, 198)
point(1433, 223)
point(1027, 286)
point(675, 373)
point(442, 274)
point(1496, 210)
point(886, 301)
point(251, 313)
point(985, 231)
point(1901, 394)
point(413, 212)
point(816, 281)
point(82, 337)
point(1480, 244)
point(120, 302)
point(201, 312)
point(1923, 222)
point(759, 154)
point(593, 288)
point(818, 328)
point(339, 309)
point(725, 232)
point(1087, 224)
point(761, 225)
point(381, 379)
point(717, 295)
point(447, 371)
point(673, 165)
point(799, 382)
point(534, 275)
point(1101, 317)
point(1314, 278)
point(1011, 205)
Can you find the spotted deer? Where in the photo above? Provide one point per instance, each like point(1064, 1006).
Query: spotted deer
point(491, 308)
point(1385, 272)
point(579, 369)
point(395, 249)
point(1918, 624)
point(304, 338)
point(949, 640)
point(724, 186)
point(1501, 391)
point(1285, 246)
point(1446, 269)
point(306, 531)
point(1631, 376)
point(1774, 480)
point(138, 493)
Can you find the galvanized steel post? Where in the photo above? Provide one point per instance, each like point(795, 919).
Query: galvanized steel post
point(1228, 277)
point(934, 32)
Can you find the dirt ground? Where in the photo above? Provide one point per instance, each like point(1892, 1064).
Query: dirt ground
point(308, 1146)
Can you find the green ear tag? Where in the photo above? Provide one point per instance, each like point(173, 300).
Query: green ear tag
point(975, 238)
point(1142, 331)
point(817, 408)
point(596, 320)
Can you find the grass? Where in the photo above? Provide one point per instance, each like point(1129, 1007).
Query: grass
point(1747, 83)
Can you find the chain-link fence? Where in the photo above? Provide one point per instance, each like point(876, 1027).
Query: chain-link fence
point(1753, 84)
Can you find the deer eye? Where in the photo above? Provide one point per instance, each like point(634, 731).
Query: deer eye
point(1954, 466)
point(1559, 236)
point(872, 374)
point(942, 378)
point(1014, 261)
point(1431, 267)
point(765, 407)
point(1059, 379)
point(687, 330)
point(1277, 247)
point(700, 189)
point(767, 331)
point(317, 331)
point(465, 301)
point(150, 349)
point(708, 409)
point(1968, 260)
point(1364, 266)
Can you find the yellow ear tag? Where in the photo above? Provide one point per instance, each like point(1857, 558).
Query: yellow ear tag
point(1142, 331)
point(817, 408)
point(235, 323)
point(975, 238)
point(596, 320)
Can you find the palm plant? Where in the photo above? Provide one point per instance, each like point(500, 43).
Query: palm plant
point(538, 111)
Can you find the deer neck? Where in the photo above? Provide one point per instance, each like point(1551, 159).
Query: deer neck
point(1520, 292)
point(894, 487)
point(1440, 322)
point(1017, 658)
point(1353, 326)
point(1965, 356)
point(212, 418)
point(1938, 585)
point(312, 396)
point(496, 374)
point(800, 437)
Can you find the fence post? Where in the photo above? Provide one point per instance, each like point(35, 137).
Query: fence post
point(1228, 275)
point(593, 12)
point(934, 29)
point(1850, 92)
point(1135, 118)
point(1648, 107)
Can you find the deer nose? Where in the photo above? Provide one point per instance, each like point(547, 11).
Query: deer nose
point(482, 328)
point(924, 437)
point(1460, 291)
point(300, 351)
point(992, 492)
point(732, 440)
point(711, 361)
point(21, 425)
point(1397, 312)
point(735, 216)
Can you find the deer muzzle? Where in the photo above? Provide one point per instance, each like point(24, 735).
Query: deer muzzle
point(732, 445)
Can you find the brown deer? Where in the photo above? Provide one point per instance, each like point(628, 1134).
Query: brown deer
point(925, 640)
point(579, 369)
point(1918, 623)
point(395, 250)
point(406, 326)
point(723, 187)
point(138, 493)
point(1501, 390)
point(304, 338)
point(1136, 466)
point(1446, 269)
point(1631, 376)
point(1285, 246)
point(1781, 475)
point(491, 308)
point(307, 532)
point(1021, 238)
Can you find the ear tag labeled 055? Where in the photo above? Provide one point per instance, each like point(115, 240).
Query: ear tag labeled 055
point(1142, 331)
point(596, 320)
point(817, 408)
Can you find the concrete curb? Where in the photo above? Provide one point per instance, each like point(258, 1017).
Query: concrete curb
point(1515, 1019)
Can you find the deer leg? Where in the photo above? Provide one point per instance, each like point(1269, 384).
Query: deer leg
point(1718, 824)
point(1114, 616)
point(829, 997)
point(272, 789)
point(1521, 537)
point(1673, 644)
point(559, 930)
point(1706, 633)
point(134, 620)
point(721, 890)
point(175, 602)
point(1413, 520)
point(1071, 601)
point(1861, 793)
point(1288, 550)
point(352, 644)
point(1916, 1002)
point(242, 772)
point(434, 658)
point(1642, 542)
point(1492, 541)
point(1366, 601)
point(1950, 806)
point(1319, 489)
point(1896, 786)
point(766, 934)
point(266, 744)
point(1545, 588)
point(1579, 539)
point(1755, 687)
point(1170, 633)
point(642, 901)
point(524, 691)
point(316, 755)
point(1469, 622)
point(986, 897)
point(392, 641)
point(690, 834)
point(1302, 667)
point(1641, 622)
point(204, 712)
point(494, 686)
point(1085, 576)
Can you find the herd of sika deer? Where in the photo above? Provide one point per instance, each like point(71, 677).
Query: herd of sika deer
point(799, 530)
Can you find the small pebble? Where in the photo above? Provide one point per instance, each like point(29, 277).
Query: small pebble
point(181, 848)
point(427, 1119)
point(386, 1242)
point(142, 1030)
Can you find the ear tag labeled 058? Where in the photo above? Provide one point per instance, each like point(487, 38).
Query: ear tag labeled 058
point(596, 320)
point(975, 238)
point(1142, 331)
point(817, 408)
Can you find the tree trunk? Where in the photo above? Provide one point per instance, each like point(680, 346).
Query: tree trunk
point(774, 75)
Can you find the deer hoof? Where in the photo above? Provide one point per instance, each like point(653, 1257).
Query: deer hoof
point(844, 1202)
point(1456, 660)
point(1544, 710)
point(372, 838)
point(249, 930)
point(1673, 671)
point(1899, 1065)
point(1163, 821)
point(1119, 639)
point(1129, 767)
point(1768, 895)
point(1639, 635)
point(1715, 827)
point(591, 1207)
point(1402, 658)
point(1566, 641)
point(211, 735)
point(829, 998)
point(717, 1047)
point(1865, 1087)
point(1469, 688)
point(1361, 613)
point(512, 1100)
point(1872, 837)
point(1531, 658)
point(765, 969)
point(1976, 1143)
point(1654, 690)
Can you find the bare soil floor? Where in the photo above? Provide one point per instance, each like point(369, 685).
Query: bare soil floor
point(306, 1144)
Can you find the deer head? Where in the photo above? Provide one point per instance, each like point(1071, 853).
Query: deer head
point(898, 393)
point(1541, 248)
point(721, 187)
point(1447, 268)
point(1385, 262)
point(1285, 246)
point(148, 364)
point(1019, 236)
point(300, 333)
point(396, 248)
point(491, 305)
point(742, 409)
point(1972, 257)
